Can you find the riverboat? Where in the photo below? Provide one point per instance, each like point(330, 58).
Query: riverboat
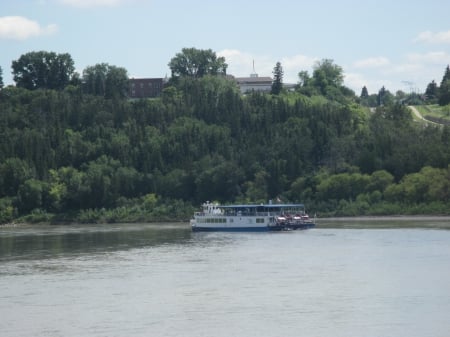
point(251, 217)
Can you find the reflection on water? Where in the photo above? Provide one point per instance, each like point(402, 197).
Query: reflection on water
point(36, 242)
point(340, 280)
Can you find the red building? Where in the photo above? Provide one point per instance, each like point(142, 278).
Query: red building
point(145, 87)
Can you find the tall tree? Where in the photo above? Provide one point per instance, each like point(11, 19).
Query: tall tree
point(364, 92)
point(277, 83)
point(326, 74)
point(432, 90)
point(192, 62)
point(105, 80)
point(303, 78)
point(43, 70)
point(1, 78)
point(444, 89)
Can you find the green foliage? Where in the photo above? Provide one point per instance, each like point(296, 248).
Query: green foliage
point(105, 80)
point(327, 80)
point(444, 89)
point(43, 70)
point(431, 91)
point(277, 83)
point(196, 63)
point(364, 93)
point(1, 78)
point(98, 157)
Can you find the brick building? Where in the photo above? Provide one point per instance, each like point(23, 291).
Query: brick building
point(145, 87)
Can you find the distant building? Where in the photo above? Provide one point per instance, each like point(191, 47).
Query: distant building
point(254, 83)
point(145, 87)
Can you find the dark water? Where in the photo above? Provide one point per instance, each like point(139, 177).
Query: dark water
point(359, 279)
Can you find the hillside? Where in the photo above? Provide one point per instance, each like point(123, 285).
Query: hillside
point(66, 155)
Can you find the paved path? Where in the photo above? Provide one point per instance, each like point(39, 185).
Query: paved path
point(419, 115)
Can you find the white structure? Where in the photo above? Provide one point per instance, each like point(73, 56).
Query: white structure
point(254, 82)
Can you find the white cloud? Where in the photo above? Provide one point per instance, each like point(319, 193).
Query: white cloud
point(240, 64)
point(294, 64)
point(21, 28)
point(92, 3)
point(372, 62)
point(438, 57)
point(430, 37)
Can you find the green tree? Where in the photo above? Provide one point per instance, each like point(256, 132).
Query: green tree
point(43, 70)
point(303, 78)
point(13, 173)
point(444, 89)
point(384, 97)
point(1, 78)
point(364, 92)
point(326, 74)
point(31, 195)
point(432, 90)
point(277, 83)
point(105, 80)
point(195, 63)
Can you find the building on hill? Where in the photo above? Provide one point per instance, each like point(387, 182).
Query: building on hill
point(254, 83)
point(145, 87)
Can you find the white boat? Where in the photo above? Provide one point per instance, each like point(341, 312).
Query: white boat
point(251, 217)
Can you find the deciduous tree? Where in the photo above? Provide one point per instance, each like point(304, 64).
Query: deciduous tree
point(43, 70)
point(192, 62)
point(105, 80)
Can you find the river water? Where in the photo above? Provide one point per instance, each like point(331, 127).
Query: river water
point(336, 280)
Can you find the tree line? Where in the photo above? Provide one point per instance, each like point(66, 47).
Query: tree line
point(85, 152)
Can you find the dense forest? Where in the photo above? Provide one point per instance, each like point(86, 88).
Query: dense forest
point(75, 148)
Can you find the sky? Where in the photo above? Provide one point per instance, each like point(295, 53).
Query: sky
point(401, 45)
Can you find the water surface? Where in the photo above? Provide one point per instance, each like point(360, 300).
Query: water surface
point(163, 280)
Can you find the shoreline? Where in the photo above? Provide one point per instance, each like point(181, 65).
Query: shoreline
point(359, 218)
point(387, 218)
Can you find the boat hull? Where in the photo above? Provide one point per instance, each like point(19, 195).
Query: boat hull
point(278, 227)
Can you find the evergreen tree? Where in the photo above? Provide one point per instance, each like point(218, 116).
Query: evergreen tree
point(1, 78)
point(364, 92)
point(444, 90)
point(432, 90)
point(277, 83)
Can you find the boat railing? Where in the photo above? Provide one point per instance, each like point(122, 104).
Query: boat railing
point(237, 213)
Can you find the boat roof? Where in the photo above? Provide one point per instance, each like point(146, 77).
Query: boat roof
point(261, 205)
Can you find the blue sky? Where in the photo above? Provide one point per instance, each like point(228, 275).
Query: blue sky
point(401, 45)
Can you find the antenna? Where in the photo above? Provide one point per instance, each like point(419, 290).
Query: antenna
point(410, 84)
point(254, 74)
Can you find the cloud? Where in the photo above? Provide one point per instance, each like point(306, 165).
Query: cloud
point(21, 28)
point(92, 3)
point(240, 64)
point(294, 64)
point(438, 57)
point(430, 37)
point(372, 62)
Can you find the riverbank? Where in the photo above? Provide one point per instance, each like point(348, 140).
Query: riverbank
point(389, 218)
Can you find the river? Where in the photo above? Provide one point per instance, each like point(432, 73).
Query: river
point(340, 279)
